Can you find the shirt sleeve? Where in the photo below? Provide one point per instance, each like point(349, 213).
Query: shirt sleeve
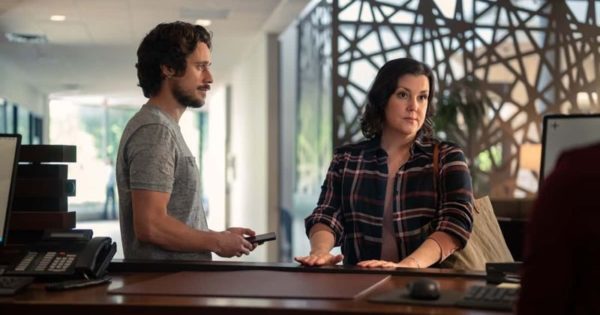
point(329, 210)
point(455, 215)
point(151, 156)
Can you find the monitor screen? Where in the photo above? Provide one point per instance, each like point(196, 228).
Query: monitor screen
point(564, 132)
point(9, 149)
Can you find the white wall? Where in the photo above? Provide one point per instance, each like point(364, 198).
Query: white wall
point(214, 168)
point(249, 200)
point(15, 88)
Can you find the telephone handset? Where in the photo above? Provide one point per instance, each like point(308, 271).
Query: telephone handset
point(95, 257)
point(67, 259)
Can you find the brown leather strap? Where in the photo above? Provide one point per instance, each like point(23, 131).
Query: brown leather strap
point(436, 167)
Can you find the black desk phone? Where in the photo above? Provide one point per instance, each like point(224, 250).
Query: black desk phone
point(65, 257)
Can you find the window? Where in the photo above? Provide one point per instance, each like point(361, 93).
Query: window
point(23, 124)
point(116, 122)
point(3, 116)
point(10, 111)
point(36, 129)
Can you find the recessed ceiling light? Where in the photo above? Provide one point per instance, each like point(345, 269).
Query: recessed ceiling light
point(58, 18)
point(203, 22)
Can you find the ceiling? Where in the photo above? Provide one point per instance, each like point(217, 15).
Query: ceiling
point(93, 52)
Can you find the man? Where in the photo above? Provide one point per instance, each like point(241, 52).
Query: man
point(157, 176)
point(561, 274)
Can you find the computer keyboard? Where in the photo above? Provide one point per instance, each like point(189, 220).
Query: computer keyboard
point(489, 297)
point(10, 285)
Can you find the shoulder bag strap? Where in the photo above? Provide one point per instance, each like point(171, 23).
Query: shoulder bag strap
point(436, 166)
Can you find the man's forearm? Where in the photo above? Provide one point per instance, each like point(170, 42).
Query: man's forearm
point(171, 234)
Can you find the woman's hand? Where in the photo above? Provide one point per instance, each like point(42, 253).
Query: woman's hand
point(405, 263)
point(319, 259)
point(377, 264)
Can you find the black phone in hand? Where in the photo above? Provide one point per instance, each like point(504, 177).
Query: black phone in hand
point(261, 238)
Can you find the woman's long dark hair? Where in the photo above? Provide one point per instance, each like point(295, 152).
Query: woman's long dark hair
point(385, 84)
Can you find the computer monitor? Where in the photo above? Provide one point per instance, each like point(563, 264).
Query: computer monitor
point(564, 132)
point(9, 158)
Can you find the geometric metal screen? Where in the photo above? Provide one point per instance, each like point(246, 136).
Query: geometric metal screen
point(506, 64)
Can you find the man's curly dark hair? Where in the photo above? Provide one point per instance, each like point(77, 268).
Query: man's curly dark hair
point(168, 44)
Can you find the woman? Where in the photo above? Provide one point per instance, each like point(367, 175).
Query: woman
point(378, 201)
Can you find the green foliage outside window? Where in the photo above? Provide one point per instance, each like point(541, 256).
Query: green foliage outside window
point(106, 126)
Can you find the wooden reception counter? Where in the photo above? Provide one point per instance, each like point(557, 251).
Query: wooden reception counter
point(137, 288)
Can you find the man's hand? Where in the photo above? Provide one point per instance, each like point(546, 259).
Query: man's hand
point(232, 243)
point(319, 259)
point(243, 232)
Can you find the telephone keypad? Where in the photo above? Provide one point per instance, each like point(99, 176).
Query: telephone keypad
point(45, 261)
point(61, 262)
point(50, 261)
point(26, 261)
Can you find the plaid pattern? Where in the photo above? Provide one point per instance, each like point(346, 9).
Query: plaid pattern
point(353, 195)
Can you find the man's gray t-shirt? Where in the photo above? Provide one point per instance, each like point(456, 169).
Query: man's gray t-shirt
point(154, 156)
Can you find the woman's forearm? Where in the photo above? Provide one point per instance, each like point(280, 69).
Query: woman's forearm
point(437, 247)
point(321, 239)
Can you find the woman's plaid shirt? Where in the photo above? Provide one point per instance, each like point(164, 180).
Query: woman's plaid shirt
point(353, 194)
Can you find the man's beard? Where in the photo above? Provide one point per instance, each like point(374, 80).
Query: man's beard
point(186, 99)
